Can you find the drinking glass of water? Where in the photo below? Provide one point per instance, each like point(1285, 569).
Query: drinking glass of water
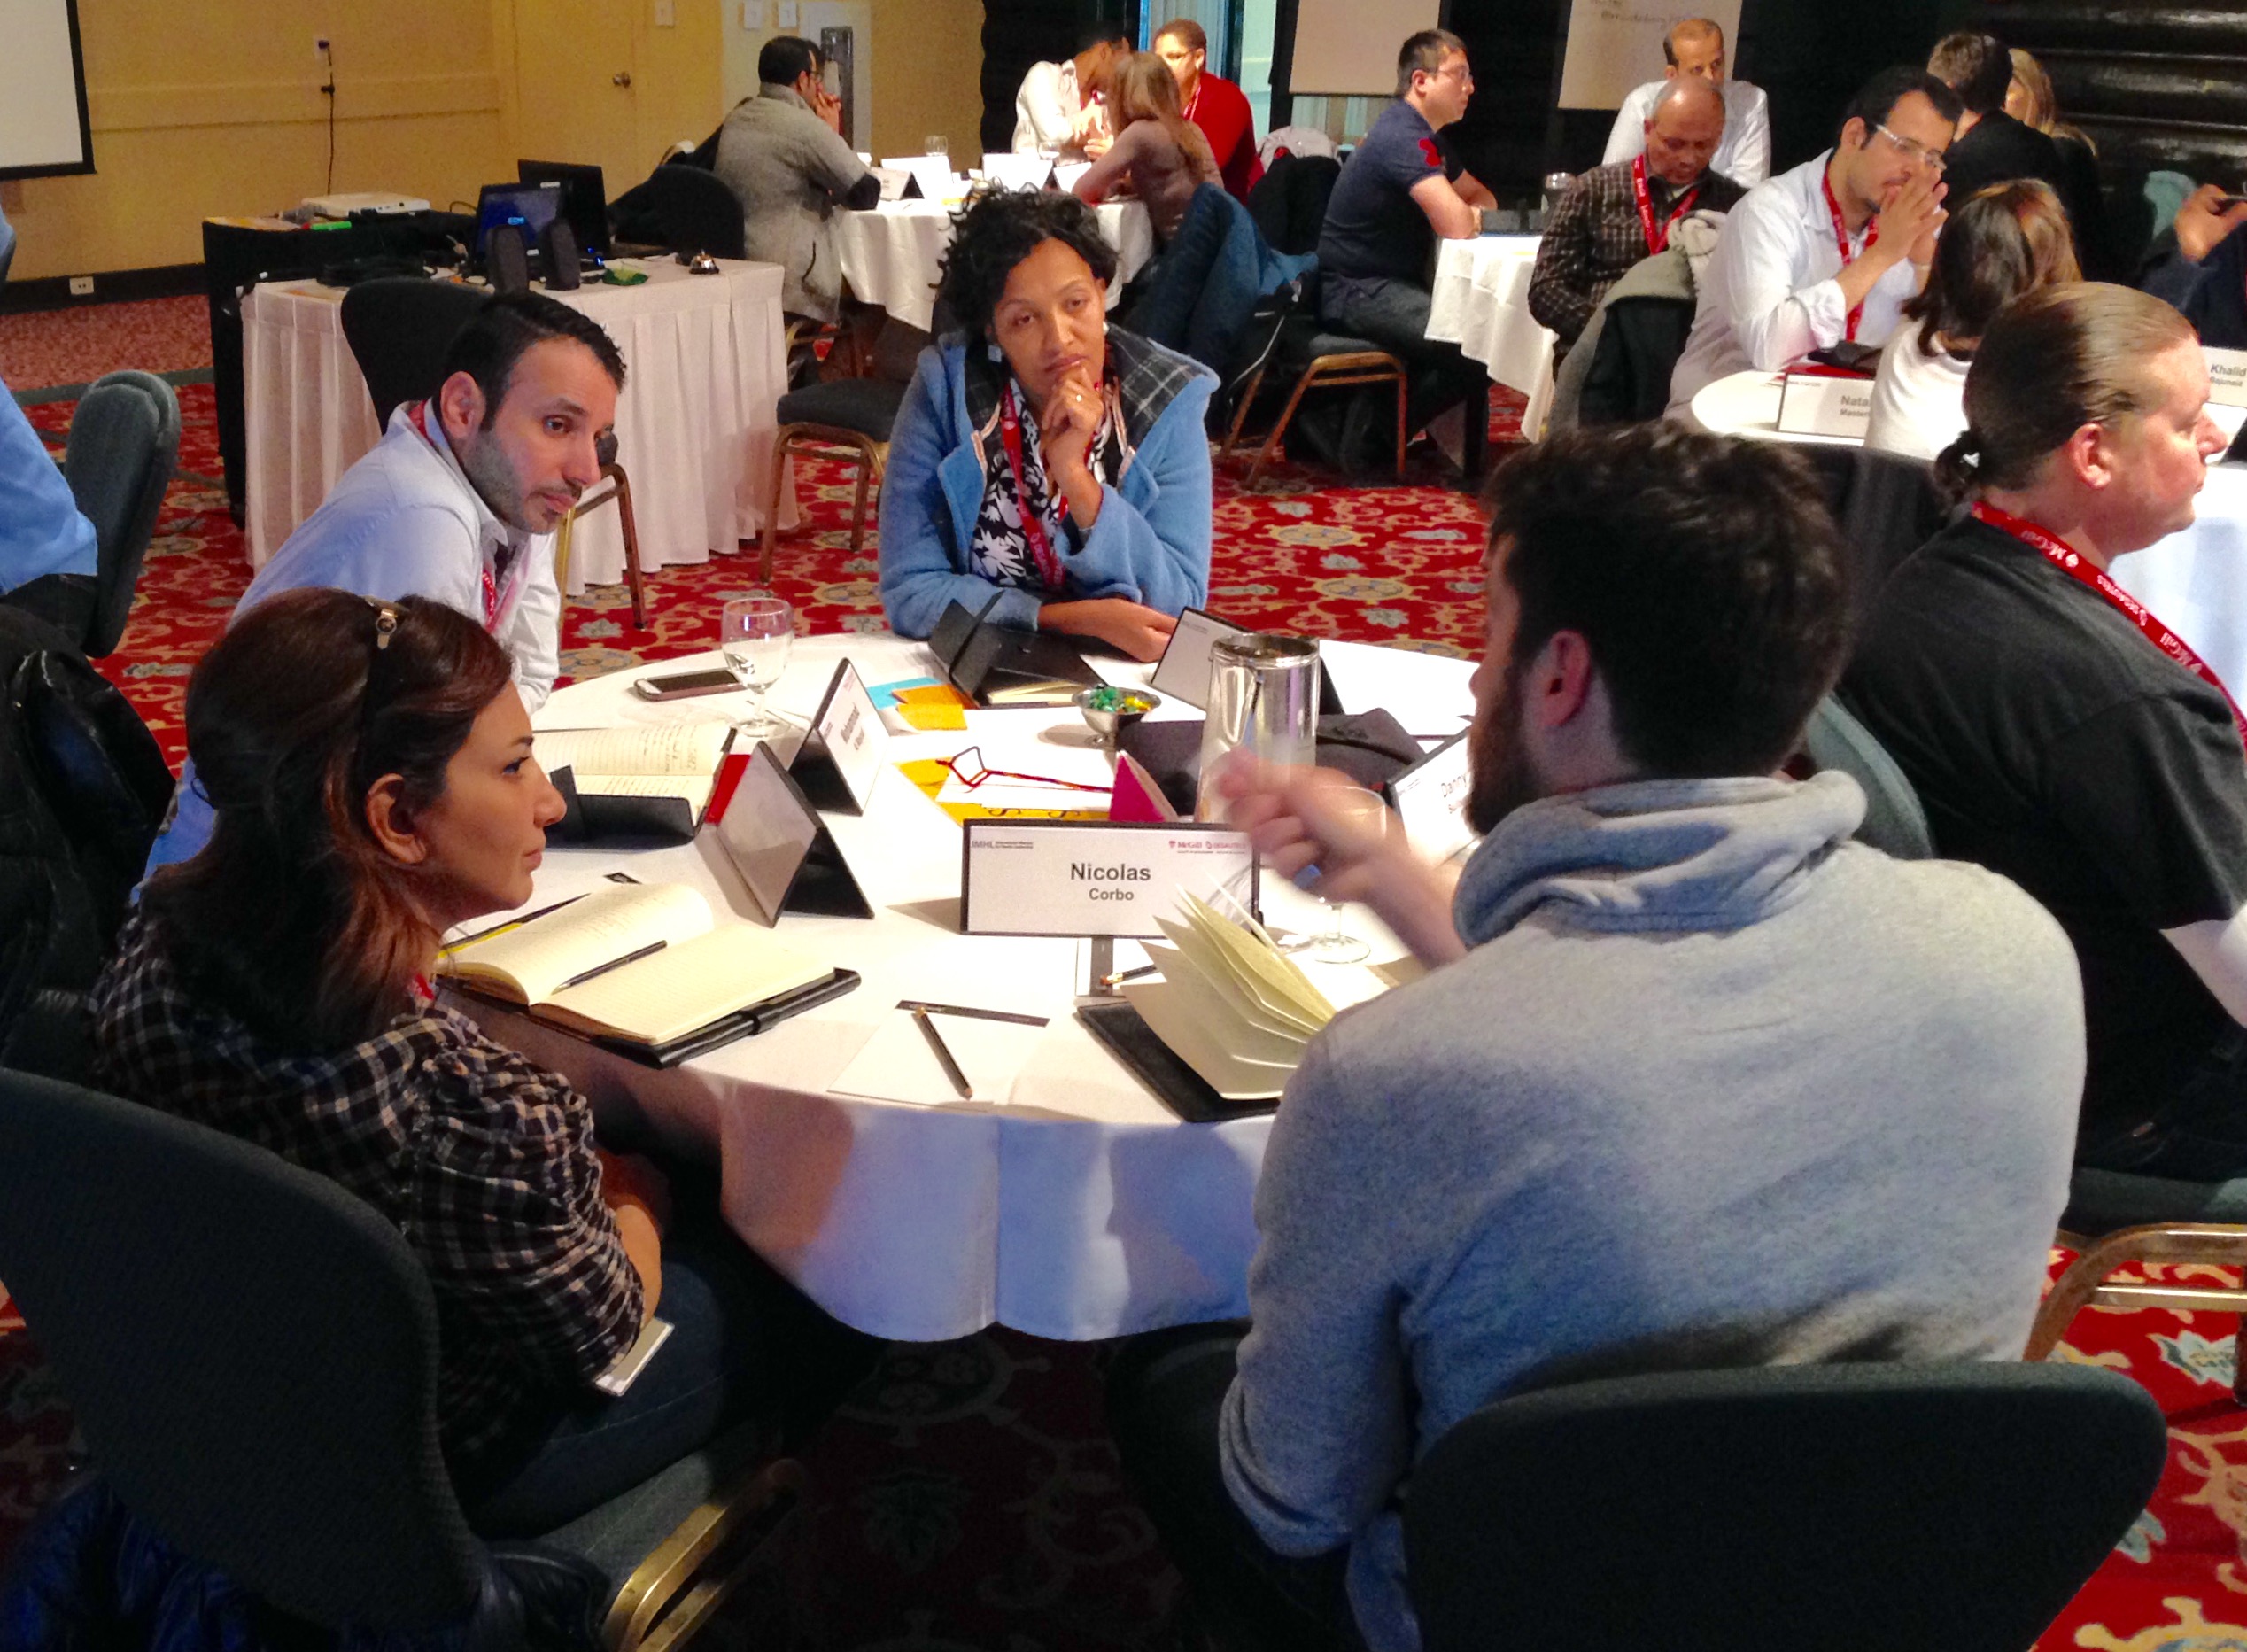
point(935, 145)
point(755, 631)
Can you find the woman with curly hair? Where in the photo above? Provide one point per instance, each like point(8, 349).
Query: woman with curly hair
point(1043, 463)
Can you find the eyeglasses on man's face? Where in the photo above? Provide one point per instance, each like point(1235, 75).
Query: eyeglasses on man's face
point(1917, 154)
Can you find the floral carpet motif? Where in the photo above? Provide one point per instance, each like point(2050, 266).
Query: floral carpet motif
point(967, 1498)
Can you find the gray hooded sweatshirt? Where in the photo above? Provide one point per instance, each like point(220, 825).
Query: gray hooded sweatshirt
point(1714, 1086)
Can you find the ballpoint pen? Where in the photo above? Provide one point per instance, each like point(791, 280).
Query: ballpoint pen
point(944, 1054)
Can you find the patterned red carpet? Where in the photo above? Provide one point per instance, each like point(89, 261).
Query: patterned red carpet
point(966, 1501)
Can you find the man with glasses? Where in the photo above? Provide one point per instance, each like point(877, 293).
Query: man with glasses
point(1694, 51)
point(1402, 190)
point(1831, 250)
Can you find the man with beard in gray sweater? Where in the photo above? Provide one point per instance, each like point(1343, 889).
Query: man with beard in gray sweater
point(1694, 1081)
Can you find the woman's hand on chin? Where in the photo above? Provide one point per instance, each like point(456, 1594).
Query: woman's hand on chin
point(1128, 627)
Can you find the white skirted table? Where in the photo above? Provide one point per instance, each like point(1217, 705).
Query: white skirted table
point(705, 366)
point(889, 255)
point(1481, 303)
point(1080, 1209)
point(2195, 579)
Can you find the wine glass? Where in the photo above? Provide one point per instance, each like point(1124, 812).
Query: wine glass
point(1364, 812)
point(754, 632)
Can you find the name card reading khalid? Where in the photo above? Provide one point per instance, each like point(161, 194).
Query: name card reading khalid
point(1087, 878)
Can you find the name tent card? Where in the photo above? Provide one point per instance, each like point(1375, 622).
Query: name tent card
point(1825, 401)
point(1431, 798)
point(1088, 878)
point(2228, 377)
point(778, 844)
point(1183, 673)
point(842, 756)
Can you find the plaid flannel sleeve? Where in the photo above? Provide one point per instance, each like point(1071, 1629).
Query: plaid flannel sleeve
point(1561, 295)
point(510, 1216)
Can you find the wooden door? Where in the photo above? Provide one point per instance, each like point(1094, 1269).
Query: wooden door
point(573, 65)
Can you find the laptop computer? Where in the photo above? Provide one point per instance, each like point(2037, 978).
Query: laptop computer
point(584, 198)
point(530, 208)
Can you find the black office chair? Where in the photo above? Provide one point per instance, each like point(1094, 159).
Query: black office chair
point(682, 208)
point(1290, 201)
point(399, 329)
point(1812, 1509)
point(123, 446)
point(1887, 506)
point(250, 1353)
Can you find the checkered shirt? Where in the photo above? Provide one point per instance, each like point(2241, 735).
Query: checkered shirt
point(482, 1161)
point(1595, 234)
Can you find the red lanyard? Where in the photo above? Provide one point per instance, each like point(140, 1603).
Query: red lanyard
point(2079, 567)
point(1195, 102)
point(1657, 235)
point(1033, 529)
point(1842, 240)
point(490, 585)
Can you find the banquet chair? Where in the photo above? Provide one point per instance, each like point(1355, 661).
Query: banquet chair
point(684, 208)
point(2114, 1221)
point(1319, 359)
point(848, 419)
point(250, 1353)
point(123, 446)
point(614, 485)
point(1845, 1508)
point(1895, 823)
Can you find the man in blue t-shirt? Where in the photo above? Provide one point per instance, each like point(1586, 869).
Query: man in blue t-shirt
point(1401, 190)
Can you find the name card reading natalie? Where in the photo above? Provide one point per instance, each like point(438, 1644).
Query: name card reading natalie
point(2228, 377)
point(1431, 798)
point(1095, 878)
point(1818, 401)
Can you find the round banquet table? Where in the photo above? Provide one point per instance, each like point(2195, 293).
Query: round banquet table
point(705, 366)
point(889, 255)
point(1080, 1209)
point(2195, 579)
point(1481, 302)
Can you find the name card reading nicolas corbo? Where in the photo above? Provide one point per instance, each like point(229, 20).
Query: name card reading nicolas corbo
point(1107, 878)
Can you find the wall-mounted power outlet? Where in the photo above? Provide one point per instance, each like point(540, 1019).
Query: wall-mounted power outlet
point(666, 14)
point(786, 11)
point(82, 286)
point(752, 16)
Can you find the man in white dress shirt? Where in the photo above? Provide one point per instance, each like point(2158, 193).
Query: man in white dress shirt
point(1695, 49)
point(1832, 249)
point(1060, 105)
point(459, 500)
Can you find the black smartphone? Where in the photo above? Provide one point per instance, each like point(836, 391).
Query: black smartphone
point(685, 684)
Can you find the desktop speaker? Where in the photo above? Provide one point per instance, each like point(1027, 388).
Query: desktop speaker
point(558, 252)
point(507, 263)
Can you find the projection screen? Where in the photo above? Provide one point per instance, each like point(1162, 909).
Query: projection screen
point(43, 128)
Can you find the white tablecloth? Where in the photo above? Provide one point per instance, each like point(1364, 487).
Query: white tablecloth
point(2195, 580)
point(1481, 303)
point(1747, 404)
point(890, 255)
point(1080, 1209)
point(705, 366)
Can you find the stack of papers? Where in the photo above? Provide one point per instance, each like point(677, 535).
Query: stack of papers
point(1230, 1004)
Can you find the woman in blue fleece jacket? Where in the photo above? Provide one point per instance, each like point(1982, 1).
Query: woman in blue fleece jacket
point(1040, 456)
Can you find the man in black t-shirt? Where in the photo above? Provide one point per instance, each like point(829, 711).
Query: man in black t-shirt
point(1402, 190)
point(2058, 738)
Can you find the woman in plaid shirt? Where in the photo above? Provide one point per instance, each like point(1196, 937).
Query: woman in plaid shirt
point(371, 770)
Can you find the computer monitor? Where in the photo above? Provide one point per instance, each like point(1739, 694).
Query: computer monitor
point(530, 208)
point(584, 198)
